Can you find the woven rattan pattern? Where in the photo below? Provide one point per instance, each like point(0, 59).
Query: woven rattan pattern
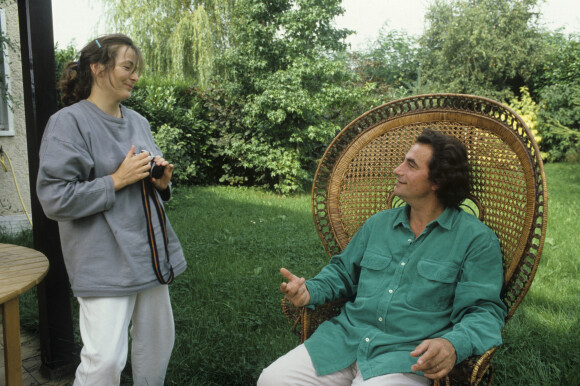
point(354, 180)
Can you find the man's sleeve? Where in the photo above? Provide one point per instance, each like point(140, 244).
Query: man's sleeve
point(339, 279)
point(478, 312)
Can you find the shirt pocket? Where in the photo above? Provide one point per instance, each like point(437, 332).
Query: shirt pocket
point(434, 288)
point(374, 273)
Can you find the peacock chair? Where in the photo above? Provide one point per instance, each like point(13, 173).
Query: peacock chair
point(354, 180)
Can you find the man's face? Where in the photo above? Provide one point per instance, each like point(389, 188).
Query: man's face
point(413, 182)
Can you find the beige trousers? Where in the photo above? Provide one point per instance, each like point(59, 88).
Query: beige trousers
point(104, 326)
point(296, 369)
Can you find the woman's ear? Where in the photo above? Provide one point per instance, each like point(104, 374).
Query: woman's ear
point(96, 68)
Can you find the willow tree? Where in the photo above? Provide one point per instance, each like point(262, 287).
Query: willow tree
point(179, 38)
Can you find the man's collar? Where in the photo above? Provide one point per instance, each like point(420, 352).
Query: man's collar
point(445, 219)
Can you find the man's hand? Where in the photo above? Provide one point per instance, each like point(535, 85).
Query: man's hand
point(436, 358)
point(295, 290)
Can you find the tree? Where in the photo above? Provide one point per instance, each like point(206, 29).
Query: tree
point(284, 88)
point(559, 95)
point(390, 63)
point(180, 39)
point(486, 47)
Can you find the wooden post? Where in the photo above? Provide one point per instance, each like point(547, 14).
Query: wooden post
point(58, 350)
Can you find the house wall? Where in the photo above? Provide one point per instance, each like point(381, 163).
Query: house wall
point(12, 214)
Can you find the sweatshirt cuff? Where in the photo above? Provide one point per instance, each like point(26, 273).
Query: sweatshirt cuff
point(110, 192)
point(165, 194)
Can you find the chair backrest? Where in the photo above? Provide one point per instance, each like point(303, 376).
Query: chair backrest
point(354, 179)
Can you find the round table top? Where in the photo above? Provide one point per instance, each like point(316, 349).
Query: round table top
point(21, 268)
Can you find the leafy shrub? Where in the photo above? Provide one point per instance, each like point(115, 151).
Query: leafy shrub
point(180, 127)
point(559, 97)
point(527, 109)
point(559, 120)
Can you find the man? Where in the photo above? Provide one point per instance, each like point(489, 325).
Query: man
point(423, 281)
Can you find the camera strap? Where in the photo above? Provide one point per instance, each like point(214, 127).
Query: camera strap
point(147, 190)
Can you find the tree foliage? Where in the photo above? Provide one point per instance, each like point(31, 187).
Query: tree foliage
point(558, 93)
point(180, 39)
point(288, 89)
point(486, 47)
point(390, 64)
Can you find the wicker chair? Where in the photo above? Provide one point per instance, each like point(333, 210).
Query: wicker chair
point(354, 180)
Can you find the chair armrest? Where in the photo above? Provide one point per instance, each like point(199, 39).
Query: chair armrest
point(475, 370)
point(306, 320)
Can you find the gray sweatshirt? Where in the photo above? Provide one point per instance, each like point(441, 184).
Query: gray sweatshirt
point(103, 233)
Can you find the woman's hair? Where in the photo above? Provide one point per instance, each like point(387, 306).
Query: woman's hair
point(448, 168)
point(76, 81)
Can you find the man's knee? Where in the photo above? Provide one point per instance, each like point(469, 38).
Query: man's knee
point(268, 377)
point(291, 369)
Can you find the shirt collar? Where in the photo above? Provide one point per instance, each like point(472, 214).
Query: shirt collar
point(445, 219)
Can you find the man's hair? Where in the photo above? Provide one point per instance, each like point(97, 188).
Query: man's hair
point(448, 168)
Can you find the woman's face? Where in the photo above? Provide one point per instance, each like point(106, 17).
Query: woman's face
point(118, 83)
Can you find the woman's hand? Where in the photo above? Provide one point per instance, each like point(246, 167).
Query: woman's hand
point(162, 183)
point(134, 168)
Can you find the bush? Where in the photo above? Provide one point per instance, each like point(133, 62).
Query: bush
point(559, 121)
point(527, 109)
point(180, 127)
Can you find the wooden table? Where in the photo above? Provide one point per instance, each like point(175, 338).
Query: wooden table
point(20, 269)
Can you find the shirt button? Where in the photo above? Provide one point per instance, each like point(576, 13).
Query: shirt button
point(403, 263)
point(410, 240)
point(380, 319)
point(390, 291)
point(367, 340)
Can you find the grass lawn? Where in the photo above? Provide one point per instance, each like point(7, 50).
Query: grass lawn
point(542, 340)
point(227, 304)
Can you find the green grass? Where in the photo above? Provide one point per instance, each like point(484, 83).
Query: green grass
point(542, 340)
point(227, 304)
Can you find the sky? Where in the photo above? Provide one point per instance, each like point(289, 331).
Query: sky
point(77, 21)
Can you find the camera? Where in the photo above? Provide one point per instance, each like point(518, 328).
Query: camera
point(156, 170)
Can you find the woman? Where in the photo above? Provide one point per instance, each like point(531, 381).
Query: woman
point(119, 248)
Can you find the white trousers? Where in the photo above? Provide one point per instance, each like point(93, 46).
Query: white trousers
point(104, 324)
point(296, 369)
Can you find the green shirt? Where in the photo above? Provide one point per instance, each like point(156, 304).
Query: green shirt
point(445, 283)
